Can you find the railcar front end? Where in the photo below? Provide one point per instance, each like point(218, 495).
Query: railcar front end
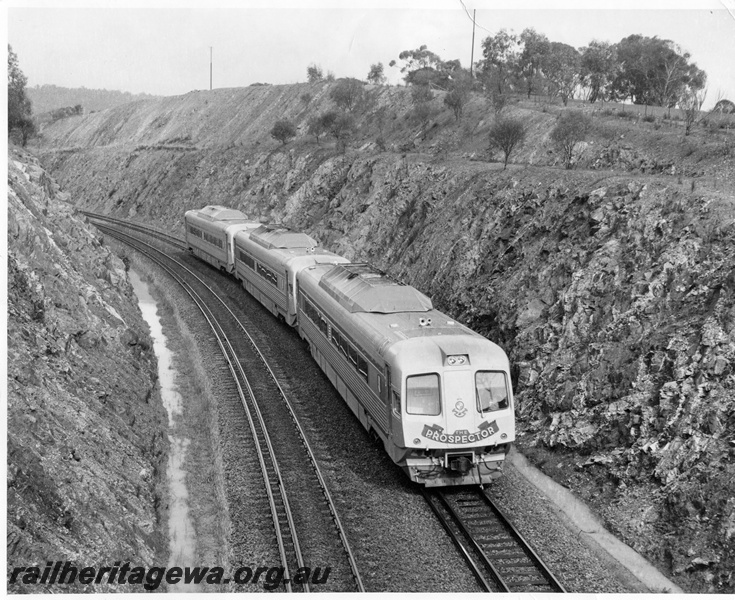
point(452, 406)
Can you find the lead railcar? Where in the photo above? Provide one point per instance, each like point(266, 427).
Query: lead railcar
point(436, 393)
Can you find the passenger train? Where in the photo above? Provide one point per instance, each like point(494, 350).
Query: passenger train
point(437, 394)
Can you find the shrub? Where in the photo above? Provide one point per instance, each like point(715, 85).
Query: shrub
point(283, 131)
point(421, 93)
point(343, 129)
point(423, 108)
point(507, 134)
point(314, 73)
point(649, 118)
point(376, 75)
point(458, 94)
point(571, 128)
point(624, 114)
point(322, 124)
point(347, 93)
point(500, 101)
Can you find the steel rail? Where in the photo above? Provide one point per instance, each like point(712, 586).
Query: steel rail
point(260, 433)
point(302, 434)
point(147, 229)
point(555, 584)
point(476, 570)
point(466, 540)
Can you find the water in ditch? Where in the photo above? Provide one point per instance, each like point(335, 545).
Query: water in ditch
point(182, 538)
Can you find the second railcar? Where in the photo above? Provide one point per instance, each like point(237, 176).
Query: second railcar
point(267, 260)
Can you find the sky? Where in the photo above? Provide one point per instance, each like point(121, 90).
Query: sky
point(164, 47)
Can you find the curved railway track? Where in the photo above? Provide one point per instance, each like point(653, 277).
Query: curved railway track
point(495, 551)
point(259, 392)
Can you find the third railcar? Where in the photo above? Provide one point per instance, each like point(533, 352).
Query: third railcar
point(210, 231)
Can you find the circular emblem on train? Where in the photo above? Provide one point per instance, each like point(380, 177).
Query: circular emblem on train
point(459, 409)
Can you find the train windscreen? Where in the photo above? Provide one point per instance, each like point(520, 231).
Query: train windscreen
point(492, 391)
point(422, 394)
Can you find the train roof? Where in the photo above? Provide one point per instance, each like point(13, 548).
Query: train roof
point(278, 236)
point(359, 287)
point(216, 212)
point(384, 330)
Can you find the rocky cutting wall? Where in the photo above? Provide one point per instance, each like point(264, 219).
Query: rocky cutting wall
point(86, 428)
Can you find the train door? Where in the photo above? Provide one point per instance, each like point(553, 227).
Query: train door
point(392, 401)
point(384, 385)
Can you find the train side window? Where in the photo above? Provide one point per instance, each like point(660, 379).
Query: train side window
point(338, 341)
point(491, 391)
point(362, 367)
point(422, 394)
point(246, 259)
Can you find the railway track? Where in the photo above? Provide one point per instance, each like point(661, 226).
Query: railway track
point(265, 404)
point(131, 225)
point(495, 551)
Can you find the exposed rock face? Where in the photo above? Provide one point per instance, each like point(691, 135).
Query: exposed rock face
point(86, 428)
point(612, 291)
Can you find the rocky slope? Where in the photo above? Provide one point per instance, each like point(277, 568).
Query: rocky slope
point(86, 428)
point(611, 286)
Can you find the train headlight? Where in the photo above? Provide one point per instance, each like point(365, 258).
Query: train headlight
point(454, 360)
point(503, 436)
point(416, 441)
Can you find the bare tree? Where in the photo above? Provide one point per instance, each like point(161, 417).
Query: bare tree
point(507, 134)
point(690, 104)
point(343, 129)
point(571, 129)
point(459, 93)
point(498, 101)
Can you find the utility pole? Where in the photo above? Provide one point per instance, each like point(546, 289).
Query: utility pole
point(210, 67)
point(472, 55)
